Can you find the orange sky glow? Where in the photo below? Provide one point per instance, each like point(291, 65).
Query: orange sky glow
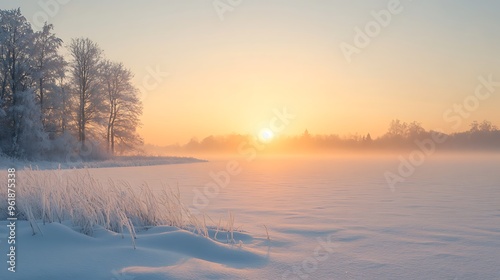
point(201, 75)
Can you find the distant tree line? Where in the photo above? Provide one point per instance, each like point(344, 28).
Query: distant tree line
point(400, 136)
point(51, 107)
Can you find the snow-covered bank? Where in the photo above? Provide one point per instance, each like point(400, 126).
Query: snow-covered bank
point(71, 225)
point(124, 161)
point(162, 253)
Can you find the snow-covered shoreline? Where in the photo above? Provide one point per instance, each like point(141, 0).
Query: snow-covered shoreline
point(123, 161)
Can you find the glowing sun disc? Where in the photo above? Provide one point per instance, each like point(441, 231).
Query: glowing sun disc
point(266, 135)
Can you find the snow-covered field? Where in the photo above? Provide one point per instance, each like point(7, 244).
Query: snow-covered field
point(294, 218)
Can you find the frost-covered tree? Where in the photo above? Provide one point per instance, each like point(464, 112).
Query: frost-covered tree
point(32, 140)
point(20, 117)
point(86, 68)
point(45, 102)
point(124, 108)
point(49, 70)
point(65, 104)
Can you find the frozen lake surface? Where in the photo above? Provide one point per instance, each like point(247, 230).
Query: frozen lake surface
point(327, 218)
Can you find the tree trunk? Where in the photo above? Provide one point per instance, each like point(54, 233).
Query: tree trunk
point(41, 103)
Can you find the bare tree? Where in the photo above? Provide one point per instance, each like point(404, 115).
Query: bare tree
point(85, 69)
point(397, 129)
point(124, 108)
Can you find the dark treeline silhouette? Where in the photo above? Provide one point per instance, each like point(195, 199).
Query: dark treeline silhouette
point(53, 108)
point(482, 136)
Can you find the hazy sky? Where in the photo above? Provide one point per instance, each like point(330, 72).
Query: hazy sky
point(229, 75)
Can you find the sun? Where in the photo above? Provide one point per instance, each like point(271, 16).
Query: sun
point(266, 135)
